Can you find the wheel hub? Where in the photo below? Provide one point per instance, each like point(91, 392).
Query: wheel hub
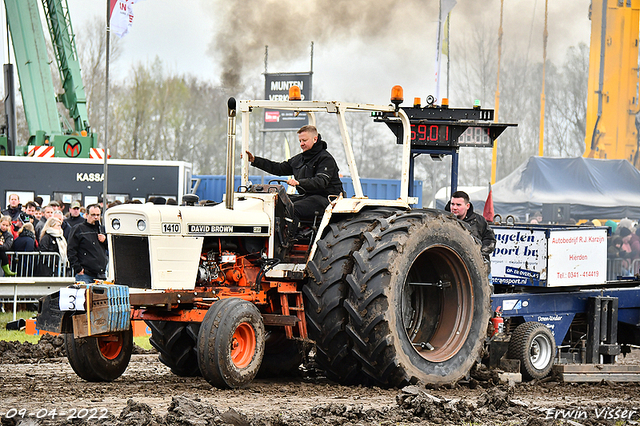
point(110, 346)
point(437, 303)
point(540, 352)
point(243, 345)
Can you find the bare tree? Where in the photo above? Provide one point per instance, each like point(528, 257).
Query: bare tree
point(474, 67)
point(567, 105)
point(91, 45)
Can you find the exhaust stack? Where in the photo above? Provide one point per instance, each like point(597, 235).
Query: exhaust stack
point(231, 151)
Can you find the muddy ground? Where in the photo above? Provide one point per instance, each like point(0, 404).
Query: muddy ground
point(36, 380)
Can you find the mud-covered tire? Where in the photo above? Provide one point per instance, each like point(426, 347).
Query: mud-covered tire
point(176, 342)
point(282, 356)
point(100, 358)
point(231, 343)
point(326, 291)
point(419, 282)
point(533, 344)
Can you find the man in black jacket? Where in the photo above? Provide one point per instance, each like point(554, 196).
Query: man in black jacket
point(74, 218)
point(314, 170)
point(14, 208)
point(463, 209)
point(87, 248)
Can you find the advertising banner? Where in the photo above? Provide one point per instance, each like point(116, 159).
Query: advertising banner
point(520, 256)
point(277, 89)
point(549, 256)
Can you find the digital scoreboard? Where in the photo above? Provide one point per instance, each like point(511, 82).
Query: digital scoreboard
point(437, 127)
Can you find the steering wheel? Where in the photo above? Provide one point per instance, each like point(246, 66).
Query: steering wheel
point(284, 181)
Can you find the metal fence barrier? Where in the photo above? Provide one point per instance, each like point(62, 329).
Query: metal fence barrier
point(38, 264)
point(37, 274)
point(620, 267)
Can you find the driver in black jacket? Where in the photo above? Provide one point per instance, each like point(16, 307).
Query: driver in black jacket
point(314, 170)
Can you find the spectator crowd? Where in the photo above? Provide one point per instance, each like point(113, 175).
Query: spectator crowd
point(623, 250)
point(43, 229)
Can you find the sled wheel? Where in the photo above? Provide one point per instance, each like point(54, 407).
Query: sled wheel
point(418, 300)
point(327, 289)
point(533, 344)
point(99, 358)
point(176, 343)
point(231, 343)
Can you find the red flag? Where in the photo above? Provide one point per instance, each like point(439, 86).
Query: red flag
point(488, 211)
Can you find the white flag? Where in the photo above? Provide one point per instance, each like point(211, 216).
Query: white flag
point(445, 7)
point(121, 16)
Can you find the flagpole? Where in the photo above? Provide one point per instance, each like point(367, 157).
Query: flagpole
point(545, 36)
point(448, 50)
point(438, 48)
point(442, 13)
point(494, 150)
point(106, 110)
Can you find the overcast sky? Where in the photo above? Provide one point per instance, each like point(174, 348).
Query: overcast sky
point(361, 48)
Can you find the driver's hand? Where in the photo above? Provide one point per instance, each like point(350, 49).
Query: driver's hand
point(293, 182)
point(250, 157)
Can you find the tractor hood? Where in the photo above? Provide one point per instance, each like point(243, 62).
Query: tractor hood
point(248, 218)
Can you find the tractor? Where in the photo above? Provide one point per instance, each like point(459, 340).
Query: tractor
point(387, 294)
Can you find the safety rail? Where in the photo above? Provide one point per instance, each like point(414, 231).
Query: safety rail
point(37, 274)
point(38, 264)
point(622, 267)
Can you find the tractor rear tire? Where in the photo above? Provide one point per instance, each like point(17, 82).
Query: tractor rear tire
point(326, 291)
point(534, 345)
point(231, 343)
point(419, 300)
point(176, 342)
point(99, 358)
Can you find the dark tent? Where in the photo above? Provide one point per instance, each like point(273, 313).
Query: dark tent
point(583, 188)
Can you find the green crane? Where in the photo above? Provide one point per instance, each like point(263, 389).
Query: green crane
point(50, 132)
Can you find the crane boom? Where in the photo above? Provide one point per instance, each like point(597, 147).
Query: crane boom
point(30, 50)
point(50, 133)
point(614, 81)
point(73, 97)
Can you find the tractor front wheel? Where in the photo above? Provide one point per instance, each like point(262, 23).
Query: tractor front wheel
point(231, 343)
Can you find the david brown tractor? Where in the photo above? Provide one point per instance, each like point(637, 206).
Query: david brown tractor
point(389, 294)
